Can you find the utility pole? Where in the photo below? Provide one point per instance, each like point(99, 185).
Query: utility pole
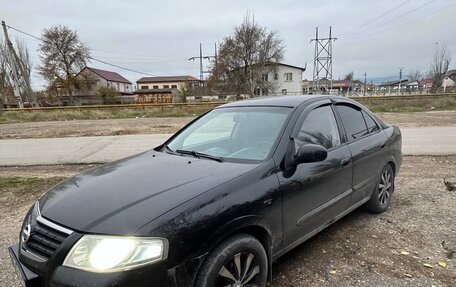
point(322, 60)
point(11, 54)
point(400, 78)
point(200, 58)
point(365, 83)
point(215, 55)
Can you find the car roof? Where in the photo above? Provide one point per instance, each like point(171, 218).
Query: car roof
point(278, 101)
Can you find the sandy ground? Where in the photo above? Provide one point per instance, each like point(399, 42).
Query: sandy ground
point(360, 250)
point(171, 125)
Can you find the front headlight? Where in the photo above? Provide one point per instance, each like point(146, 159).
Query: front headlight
point(98, 253)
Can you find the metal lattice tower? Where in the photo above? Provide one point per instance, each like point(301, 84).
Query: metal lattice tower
point(322, 61)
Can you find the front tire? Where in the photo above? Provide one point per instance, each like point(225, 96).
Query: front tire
point(381, 196)
point(239, 261)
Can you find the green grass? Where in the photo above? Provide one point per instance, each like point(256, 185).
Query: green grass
point(15, 182)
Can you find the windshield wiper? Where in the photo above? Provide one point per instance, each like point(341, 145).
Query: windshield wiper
point(199, 154)
point(169, 150)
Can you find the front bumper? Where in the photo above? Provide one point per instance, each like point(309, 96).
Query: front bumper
point(151, 275)
point(26, 276)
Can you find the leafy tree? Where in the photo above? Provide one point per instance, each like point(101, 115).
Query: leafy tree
point(439, 67)
point(63, 55)
point(245, 57)
point(108, 95)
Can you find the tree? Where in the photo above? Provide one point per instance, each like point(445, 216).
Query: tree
point(63, 55)
point(349, 76)
point(439, 67)
point(23, 63)
point(415, 75)
point(5, 86)
point(244, 57)
point(108, 95)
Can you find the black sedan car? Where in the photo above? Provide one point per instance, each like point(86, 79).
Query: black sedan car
point(218, 202)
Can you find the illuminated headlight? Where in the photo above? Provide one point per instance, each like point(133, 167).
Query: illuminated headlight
point(97, 253)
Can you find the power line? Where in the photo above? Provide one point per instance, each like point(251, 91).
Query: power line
point(375, 19)
point(393, 19)
point(91, 58)
point(123, 68)
point(134, 54)
point(408, 22)
point(139, 60)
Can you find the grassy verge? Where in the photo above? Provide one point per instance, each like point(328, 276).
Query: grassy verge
point(69, 115)
point(23, 190)
point(26, 183)
point(377, 109)
point(376, 105)
point(409, 105)
point(15, 182)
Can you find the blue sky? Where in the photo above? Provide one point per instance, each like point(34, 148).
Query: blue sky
point(158, 37)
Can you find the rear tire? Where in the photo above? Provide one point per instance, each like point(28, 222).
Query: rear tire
point(238, 261)
point(381, 196)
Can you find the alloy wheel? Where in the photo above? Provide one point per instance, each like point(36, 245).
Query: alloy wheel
point(239, 271)
point(385, 188)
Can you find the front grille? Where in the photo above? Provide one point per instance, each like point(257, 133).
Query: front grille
point(44, 240)
point(40, 238)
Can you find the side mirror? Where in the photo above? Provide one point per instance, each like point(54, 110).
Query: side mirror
point(310, 153)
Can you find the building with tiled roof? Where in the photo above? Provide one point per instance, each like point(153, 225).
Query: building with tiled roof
point(92, 79)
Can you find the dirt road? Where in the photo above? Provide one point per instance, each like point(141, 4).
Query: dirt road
point(360, 250)
point(170, 125)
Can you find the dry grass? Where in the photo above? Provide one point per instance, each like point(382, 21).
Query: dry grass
point(388, 104)
point(97, 114)
point(410, 105)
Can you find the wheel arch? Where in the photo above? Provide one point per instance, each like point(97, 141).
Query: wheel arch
point(393, 166)
point(251, 225)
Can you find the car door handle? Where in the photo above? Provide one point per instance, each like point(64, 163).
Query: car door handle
point(345, 161)
point(268, 201)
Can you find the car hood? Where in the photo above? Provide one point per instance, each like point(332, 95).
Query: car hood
point(123, 196)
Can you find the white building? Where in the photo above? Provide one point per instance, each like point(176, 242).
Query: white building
point(93, 79)
point(450, 79)
point(285, 79)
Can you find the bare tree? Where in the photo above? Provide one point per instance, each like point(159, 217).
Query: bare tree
point(23, 63)
point(439, 67)
point(63, 55)
point(349, 76)
point(415, 75)
point(25, 67)
point(5, 86)
point(245, 57)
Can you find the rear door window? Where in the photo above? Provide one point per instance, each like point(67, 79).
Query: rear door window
point(353, 121)
point(371, 124)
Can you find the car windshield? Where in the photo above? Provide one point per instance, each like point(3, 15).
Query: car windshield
point(246, 133)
